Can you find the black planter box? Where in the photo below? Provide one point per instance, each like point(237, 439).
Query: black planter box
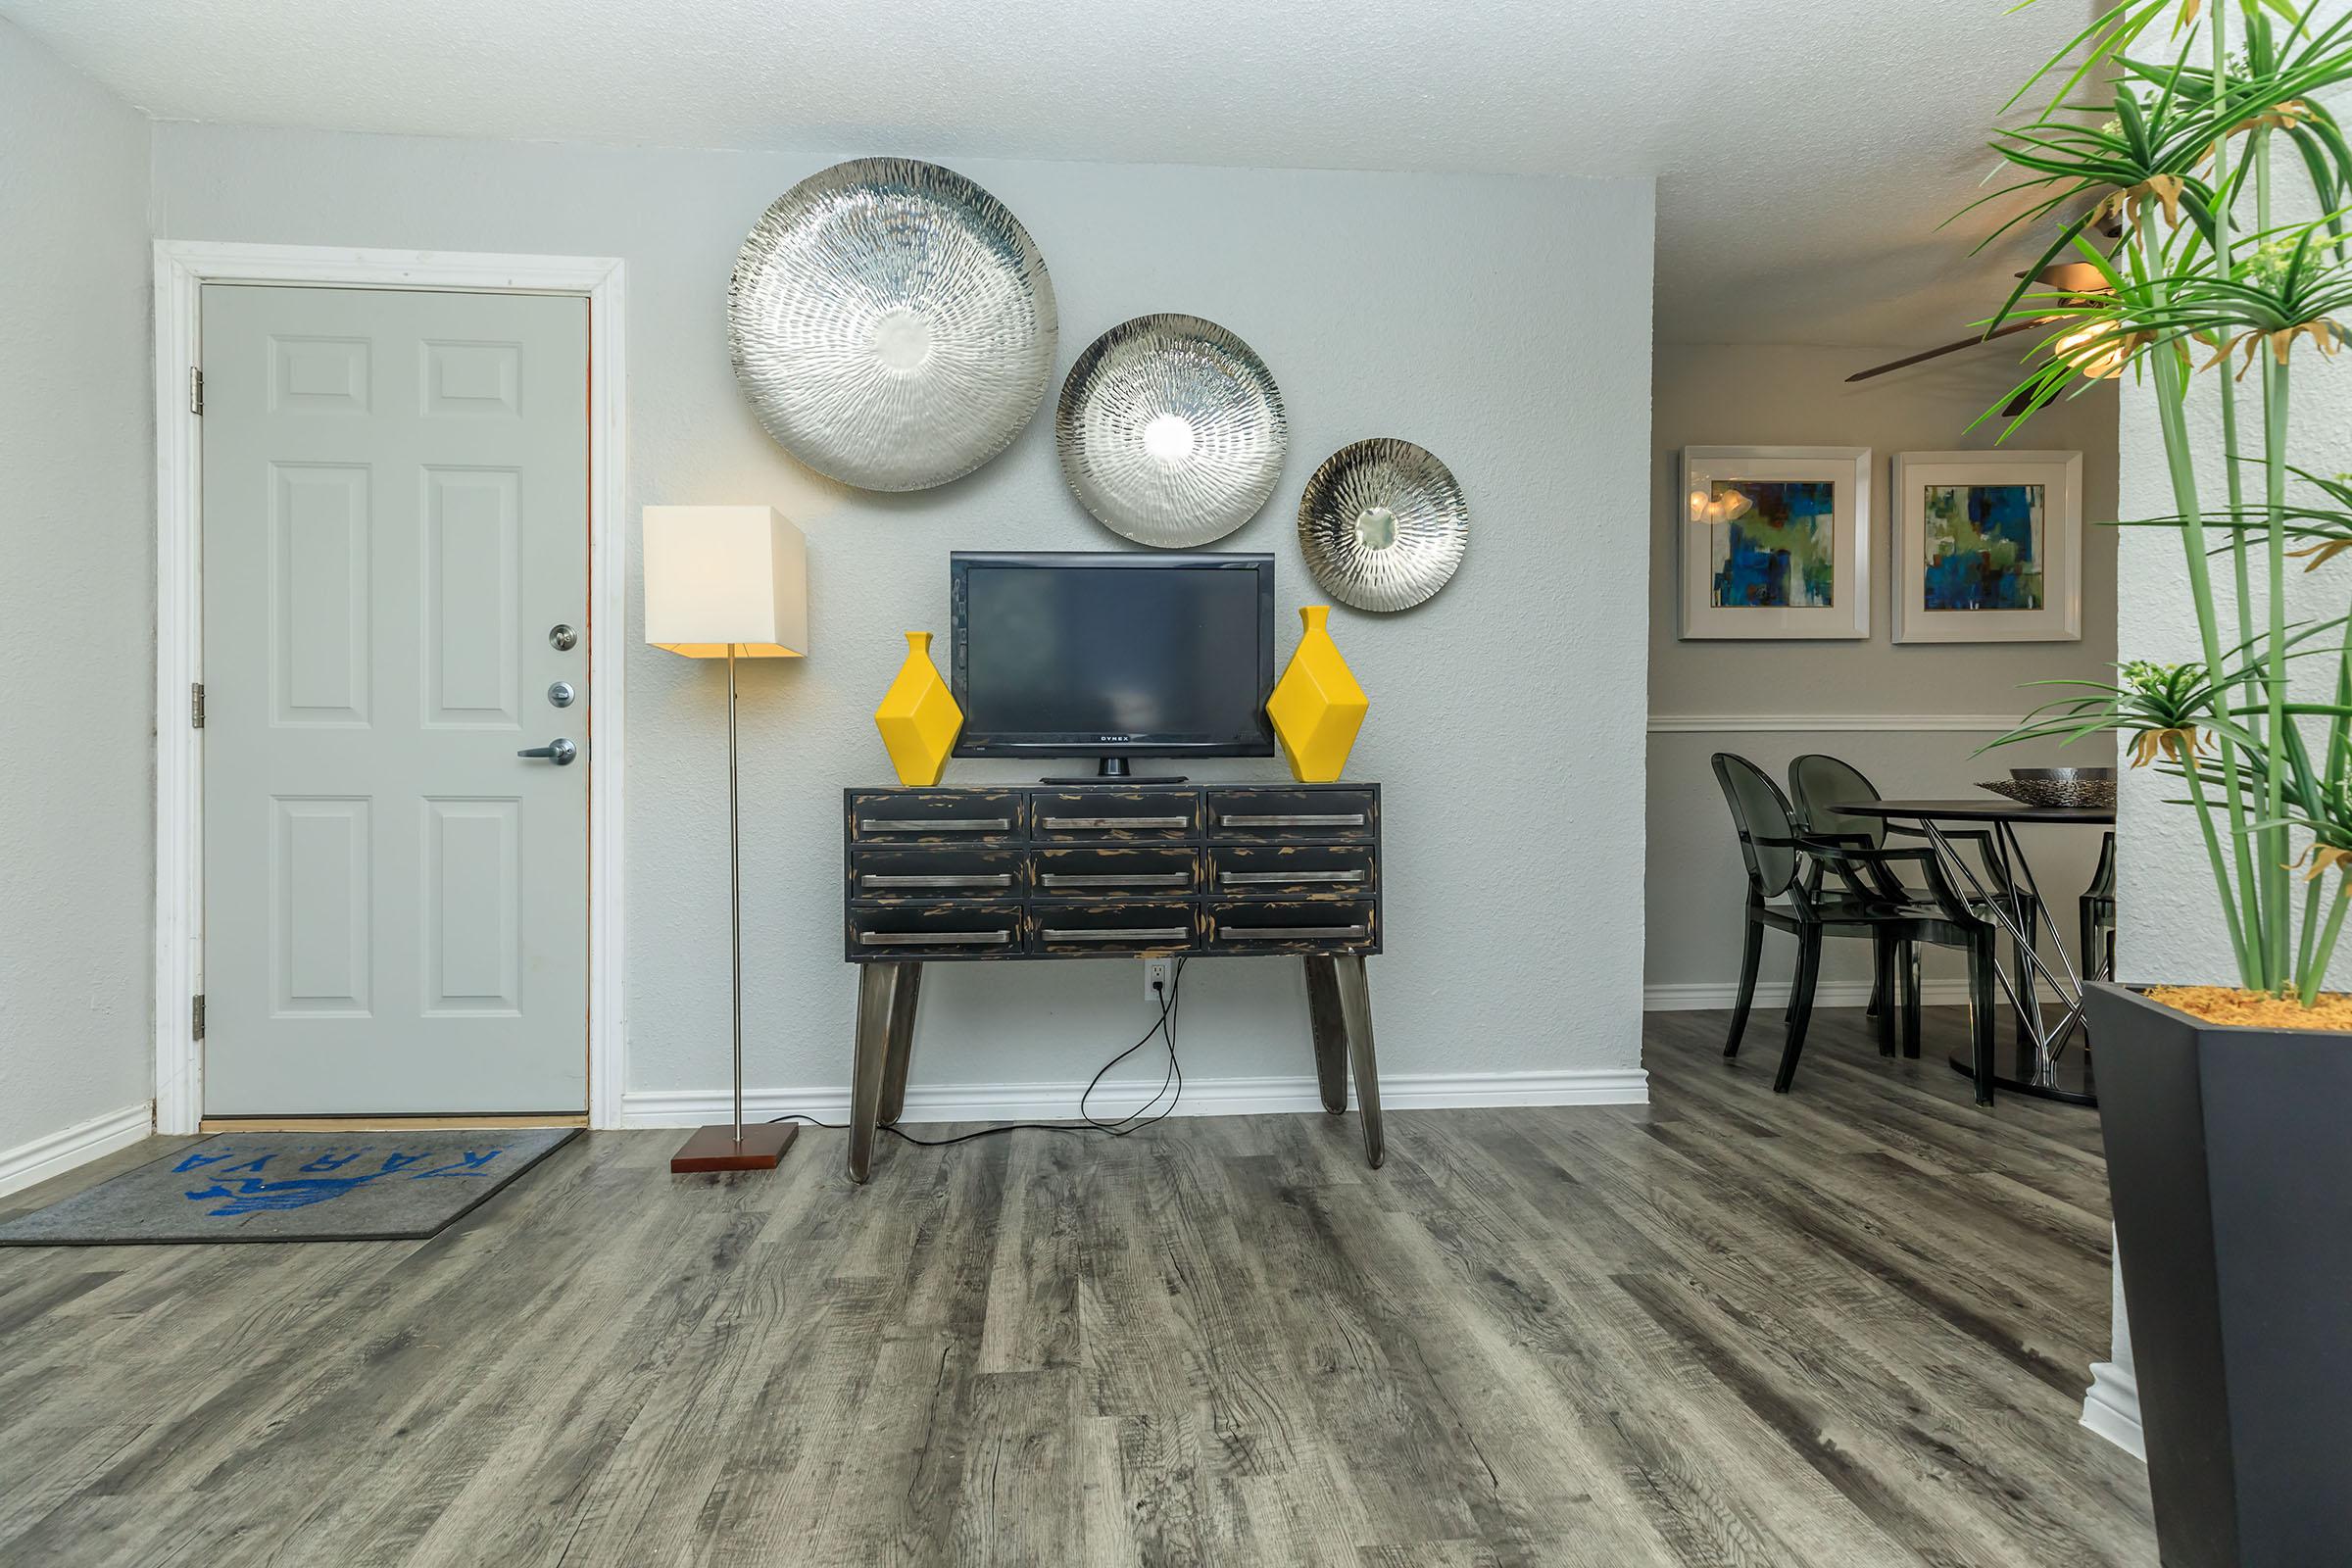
point(2230, 1161)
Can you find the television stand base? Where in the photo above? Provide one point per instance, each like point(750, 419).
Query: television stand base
point(1111, 778)
point(1111, 770)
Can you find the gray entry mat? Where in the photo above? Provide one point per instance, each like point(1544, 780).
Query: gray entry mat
point(371, 1185)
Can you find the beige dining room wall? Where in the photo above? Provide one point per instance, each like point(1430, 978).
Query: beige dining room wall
point(1887, 708)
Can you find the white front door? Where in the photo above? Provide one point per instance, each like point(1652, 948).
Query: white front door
point(395, 518)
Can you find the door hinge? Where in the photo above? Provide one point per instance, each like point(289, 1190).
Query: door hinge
point(195, 389)
point(197, 1013)
point(195, 704)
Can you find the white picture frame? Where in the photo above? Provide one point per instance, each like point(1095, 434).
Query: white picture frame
point(1925, 482)
point(1704, 567)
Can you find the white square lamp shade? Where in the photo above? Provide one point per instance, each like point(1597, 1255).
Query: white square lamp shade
point(720, 577)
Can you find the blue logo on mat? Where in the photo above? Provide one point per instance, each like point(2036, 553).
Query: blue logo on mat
point(252, 1191)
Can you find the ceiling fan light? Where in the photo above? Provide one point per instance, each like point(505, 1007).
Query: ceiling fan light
point(2099, 351)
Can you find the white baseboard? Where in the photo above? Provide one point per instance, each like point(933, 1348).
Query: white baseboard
point(2111, 1408)
point(1203, 1097)
point(1697, 995)
point(78, 1145)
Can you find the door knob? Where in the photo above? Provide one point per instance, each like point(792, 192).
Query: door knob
point(558, 751)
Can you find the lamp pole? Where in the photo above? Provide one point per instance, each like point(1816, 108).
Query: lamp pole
point(735, 891)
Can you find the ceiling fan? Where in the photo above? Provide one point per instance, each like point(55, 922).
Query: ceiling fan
point(2070, 278)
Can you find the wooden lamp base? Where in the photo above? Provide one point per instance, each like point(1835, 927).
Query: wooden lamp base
point(716, 1149)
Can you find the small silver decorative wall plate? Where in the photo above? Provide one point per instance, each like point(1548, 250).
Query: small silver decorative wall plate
point(1383, 524)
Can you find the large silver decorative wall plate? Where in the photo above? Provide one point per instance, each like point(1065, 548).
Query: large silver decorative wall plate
point(891, 323)
point(1171, 430)
point(1383, 524)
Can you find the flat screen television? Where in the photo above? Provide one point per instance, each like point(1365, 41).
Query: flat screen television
point(1115, 655)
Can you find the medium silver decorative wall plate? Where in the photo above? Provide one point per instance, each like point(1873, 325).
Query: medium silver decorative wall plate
point(1383, 524)
point(1171, 430)
point(891, 323)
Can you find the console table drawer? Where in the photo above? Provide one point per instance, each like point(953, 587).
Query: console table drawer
point(1283, 816)
point(1079, 815)
point(936, 816)
point(931, 873)
point(1124, 929)
point(1325, 926)
point(1291, 870)
point(1139, 871)
point(904, 931)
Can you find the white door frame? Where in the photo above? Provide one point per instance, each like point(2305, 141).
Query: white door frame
point(181, 270)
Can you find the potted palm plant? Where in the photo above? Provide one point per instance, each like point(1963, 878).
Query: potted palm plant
point(2188, 157)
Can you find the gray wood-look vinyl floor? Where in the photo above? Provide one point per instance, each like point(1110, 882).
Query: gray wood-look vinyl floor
point(1845, 1327)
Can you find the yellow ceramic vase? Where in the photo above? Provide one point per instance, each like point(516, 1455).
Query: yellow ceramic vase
point(919, 717)
point(1316, 706)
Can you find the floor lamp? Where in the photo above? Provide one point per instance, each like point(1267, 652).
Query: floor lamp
point(728, 582)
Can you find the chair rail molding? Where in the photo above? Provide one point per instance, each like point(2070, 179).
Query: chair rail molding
point(181, 270)
point(1830, 723)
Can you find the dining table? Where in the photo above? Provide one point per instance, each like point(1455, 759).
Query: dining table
point(2004, 885)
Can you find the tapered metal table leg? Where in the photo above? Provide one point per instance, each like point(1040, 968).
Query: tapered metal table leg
point(1330, 1025)
point(902, 998)
point(876, 982)
point(1355, 1007)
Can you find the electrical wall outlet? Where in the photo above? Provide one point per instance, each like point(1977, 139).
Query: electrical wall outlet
point(1160, 976)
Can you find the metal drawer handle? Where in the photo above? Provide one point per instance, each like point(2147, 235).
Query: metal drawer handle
point(1066, 823)
point(943, 824)
point(1173, 933)
point(875, 879)
point(934, 939)
point(1141, 879)
point(1263, 879)
point(1298, 819)
point(1292, 933)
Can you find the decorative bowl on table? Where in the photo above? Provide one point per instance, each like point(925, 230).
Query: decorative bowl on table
point(2082, 788)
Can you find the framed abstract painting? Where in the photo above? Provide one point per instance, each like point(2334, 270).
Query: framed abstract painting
point(1987, 547)
point(1775, 542)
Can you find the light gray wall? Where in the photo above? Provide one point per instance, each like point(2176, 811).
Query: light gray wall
point(2170, 927)
point(1502, 322)
point(1727, 396)
point(2169, 922)
point(77, 655)
point(2168, 916)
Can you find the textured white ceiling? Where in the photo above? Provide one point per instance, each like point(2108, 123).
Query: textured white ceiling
point(1805, 149)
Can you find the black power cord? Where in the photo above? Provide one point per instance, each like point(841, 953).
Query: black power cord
point(1135, 1120)
point(1117, 1127)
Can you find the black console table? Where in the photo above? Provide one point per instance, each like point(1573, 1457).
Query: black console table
point(1094, 871)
